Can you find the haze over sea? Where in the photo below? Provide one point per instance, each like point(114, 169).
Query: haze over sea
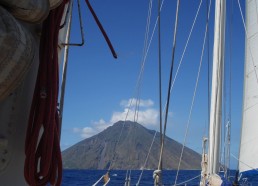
point(117, 177)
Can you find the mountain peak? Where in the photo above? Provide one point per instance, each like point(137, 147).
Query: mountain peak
point(131, 151)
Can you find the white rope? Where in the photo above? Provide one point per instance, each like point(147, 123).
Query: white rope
point(98, 181)
point(107, 182)
point(243, 162)
point(153, 139)
point(193, 99)
point(147, 50)
point(147, 29)
point(249, 47)
point(183, 54)
point(170, 80)
point(187, 180)
point(137, 87)
point(140, 74)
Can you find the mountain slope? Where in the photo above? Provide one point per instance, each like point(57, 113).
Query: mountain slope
point(97, 152)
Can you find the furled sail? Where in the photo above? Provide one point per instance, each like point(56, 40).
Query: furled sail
point(216, 94)
point(248, 160)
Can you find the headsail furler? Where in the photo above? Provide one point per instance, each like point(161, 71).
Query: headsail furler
point(216, 92)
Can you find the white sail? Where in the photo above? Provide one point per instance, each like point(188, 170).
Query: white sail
point(248, 158)
point(216, 94)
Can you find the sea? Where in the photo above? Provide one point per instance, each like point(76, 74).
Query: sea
point(117, 178)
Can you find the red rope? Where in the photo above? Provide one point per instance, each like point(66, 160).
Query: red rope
point(101, 29)
point(43, 163)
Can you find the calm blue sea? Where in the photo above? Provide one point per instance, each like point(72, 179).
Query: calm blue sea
point(89, 177)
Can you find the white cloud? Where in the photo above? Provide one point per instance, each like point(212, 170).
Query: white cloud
point(101, 124)
point(88, 132)
point(85, 132)
point(146, 116)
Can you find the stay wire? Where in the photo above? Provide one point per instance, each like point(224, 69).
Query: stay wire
point(140, 79)
point(147, 157)
point(193, 99)
point(208, 69)
point(183, 54)
point(160, 84)
point(147, 50)
point(147, 30)
point(146, 47)
point(255, 169)
point(228, 123)
point(65, 62)
point(138, 84)
point(170, 82)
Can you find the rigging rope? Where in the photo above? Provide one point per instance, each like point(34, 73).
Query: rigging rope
point(147, 29)
point(243, 162)
point(128, 178)
point(160, 90)
point(146, 49)
point(140, 177)
point(67, 44)
point(225, 140)
point(43, 162)
point(168, 96)
point(193, 99)
point(98, 180)
point(183, 54)
point(65, 62)
point(228, 126)
point(143, 62)
point(138, 84)
point(187, 180)
point(144, 56)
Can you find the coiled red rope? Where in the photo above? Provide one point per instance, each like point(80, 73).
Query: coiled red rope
point(43, 163)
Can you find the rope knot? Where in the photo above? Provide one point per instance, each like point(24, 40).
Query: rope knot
point(156, 176)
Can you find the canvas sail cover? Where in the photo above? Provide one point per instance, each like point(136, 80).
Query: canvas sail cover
point(33, 11)
point(17, 52)
point(54, 3)
point(248, 158)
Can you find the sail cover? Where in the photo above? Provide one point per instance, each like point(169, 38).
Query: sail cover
point(248, 158)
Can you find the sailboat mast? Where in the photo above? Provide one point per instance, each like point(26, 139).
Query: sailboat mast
point(216, 92)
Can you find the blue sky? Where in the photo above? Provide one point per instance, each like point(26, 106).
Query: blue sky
point(99, 87)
